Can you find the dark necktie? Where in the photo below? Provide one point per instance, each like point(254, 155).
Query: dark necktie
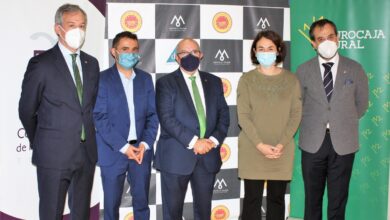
point(79, 87)
point(199, 107)
point(328, 80)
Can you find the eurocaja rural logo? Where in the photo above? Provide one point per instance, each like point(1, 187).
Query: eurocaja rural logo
point(351, 38)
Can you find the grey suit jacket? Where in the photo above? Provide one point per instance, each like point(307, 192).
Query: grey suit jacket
point(348, 104)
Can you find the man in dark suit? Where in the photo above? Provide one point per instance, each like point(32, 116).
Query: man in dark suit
point(126, 126)
point(58, 93)
point(194, 120)
point(335, 97)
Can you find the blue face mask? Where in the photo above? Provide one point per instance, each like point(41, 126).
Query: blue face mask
point(128, 60)
point(266, 59)
point(189, 62)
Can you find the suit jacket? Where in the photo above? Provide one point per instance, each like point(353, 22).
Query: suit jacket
point(348, 104)
point(179, 123)
point(50, 111)
point(111, 114)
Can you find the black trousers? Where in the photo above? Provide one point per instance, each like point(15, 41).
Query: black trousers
point(54, 184)
point(254, 196)
point(326, 167)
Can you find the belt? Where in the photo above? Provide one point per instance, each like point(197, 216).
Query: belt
point(132, 142)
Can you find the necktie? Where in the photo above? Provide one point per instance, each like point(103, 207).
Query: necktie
point(328, 80)
point(79, 87)
point(199, 107)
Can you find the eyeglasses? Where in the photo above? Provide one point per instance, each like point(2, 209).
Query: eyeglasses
point(185, 53)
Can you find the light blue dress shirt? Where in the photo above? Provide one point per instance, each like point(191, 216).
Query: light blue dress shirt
point(129, 89)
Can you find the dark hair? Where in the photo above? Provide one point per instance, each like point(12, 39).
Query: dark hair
point(124, 34)
point(276, 39)
point(321, 23)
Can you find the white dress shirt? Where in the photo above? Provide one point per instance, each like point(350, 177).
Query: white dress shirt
point(198, 82)
point(335, 61)
point(68, 59)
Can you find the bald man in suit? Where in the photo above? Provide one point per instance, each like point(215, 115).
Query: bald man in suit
point(194, 120)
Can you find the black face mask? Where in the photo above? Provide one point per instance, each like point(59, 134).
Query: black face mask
point(189, 62)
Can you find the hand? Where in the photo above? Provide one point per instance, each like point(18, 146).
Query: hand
point(132, 153)
point(279, 148)
point(268, 151)
point(141, 152)
point(202, 146)
point(209, 144)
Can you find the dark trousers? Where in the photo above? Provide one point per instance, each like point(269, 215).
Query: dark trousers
point(254, 196)
point(174, 188)
point(138, 177)
point(326, 167)
point(54, 184)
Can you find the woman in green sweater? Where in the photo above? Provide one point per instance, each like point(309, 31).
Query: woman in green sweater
point(269, 110)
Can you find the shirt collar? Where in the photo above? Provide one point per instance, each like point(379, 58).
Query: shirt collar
point(66, 51)
point(187, 76)
point(334, 60)
point(122, 75)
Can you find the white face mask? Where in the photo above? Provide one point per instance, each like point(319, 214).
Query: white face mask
point(327, 49)
point(74, 37)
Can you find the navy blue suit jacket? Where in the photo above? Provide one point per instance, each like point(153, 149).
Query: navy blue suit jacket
point(50, 111)
point(111, 114)
point(179, 123)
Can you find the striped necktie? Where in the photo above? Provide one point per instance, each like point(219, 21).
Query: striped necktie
point(328, 80)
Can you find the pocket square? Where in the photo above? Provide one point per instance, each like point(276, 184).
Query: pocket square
point(348, 82)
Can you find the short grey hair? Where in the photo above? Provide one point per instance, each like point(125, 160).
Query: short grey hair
point(66, 8)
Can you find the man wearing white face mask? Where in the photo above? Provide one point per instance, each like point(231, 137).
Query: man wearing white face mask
point(58, 93)
point(335, 97)
point(126, 128)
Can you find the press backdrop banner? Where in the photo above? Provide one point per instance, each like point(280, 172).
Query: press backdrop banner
point(364, 31)
point(224, 30)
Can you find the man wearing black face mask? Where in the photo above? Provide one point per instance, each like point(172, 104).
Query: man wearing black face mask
point(194, 120)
